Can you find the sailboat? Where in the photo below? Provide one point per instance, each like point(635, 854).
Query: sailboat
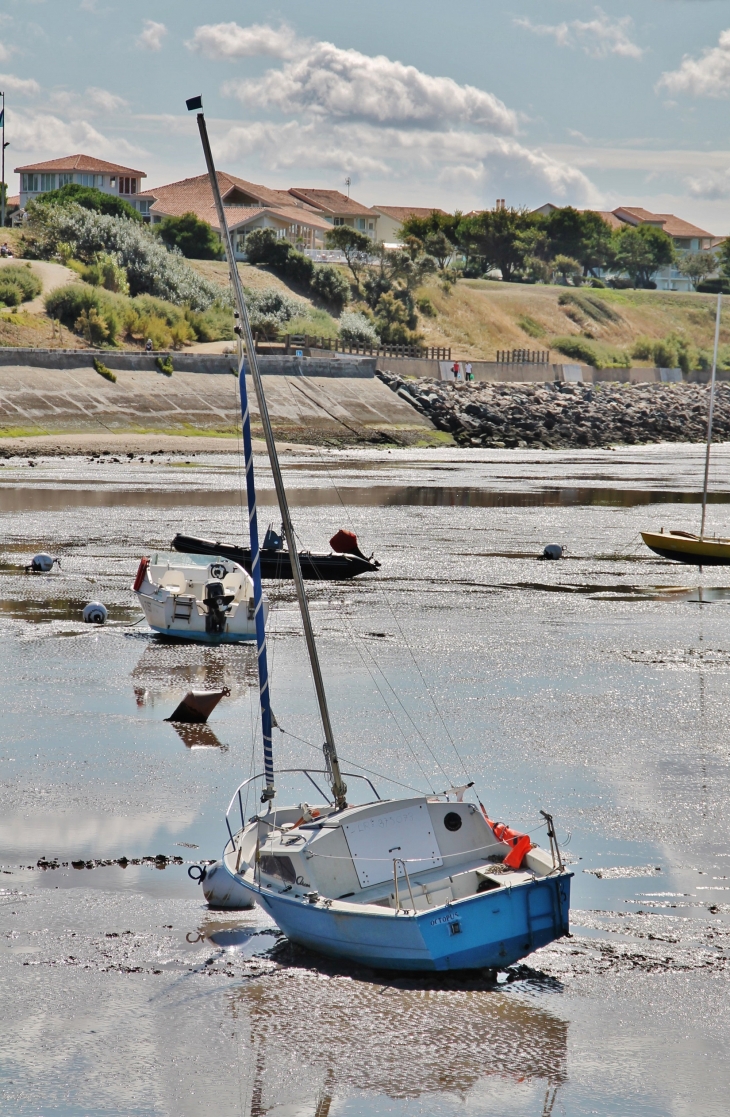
point(683, 546)
point(427, 882)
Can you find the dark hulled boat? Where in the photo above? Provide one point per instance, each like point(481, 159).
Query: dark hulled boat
point(275, 561)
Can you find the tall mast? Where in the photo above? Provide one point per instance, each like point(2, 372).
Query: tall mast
point(339, 788)
point(711, 411)
point(3, 187)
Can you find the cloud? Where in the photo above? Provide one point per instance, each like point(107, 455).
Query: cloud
point(229, 41)
point(711, 186)
point(706, 76)
point(27, 87)
point(328, 81)
point(5, 52)
point(599, 37)
point(393, 153)
point(42, 135)
point(92, 100)
point(152, 35)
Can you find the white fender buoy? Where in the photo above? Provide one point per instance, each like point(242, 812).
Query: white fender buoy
point(221, 890)
point(553, 551)
point(95, 613)
point(41, 563)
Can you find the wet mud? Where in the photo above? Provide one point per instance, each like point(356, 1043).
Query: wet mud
point(595, 687)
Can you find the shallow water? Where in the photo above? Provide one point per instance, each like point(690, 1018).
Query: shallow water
point(595, 687)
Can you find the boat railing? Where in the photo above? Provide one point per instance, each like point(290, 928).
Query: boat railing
point(396, 862)
point(238, 799)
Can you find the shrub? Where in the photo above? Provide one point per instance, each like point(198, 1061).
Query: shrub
point(331, 286)
point(164, 364)
point(150, 267)
point(213, 324)
point(264, 247)
point(24, 278)
point(270, 309)
point(104, 371)
point(10, 293)
point(356, 329)
point(299, 268)
point(597, 284)
point(426, 307)
point(577, 349)
point(665, 354)
point(92, 326)
point(643, 349)
point(73, 305)
point(90, 198)
point(191, 236)
point(105, 272)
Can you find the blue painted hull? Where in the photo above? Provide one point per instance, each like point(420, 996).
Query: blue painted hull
point(490, 930)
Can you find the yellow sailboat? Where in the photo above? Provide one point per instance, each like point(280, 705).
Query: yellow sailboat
point(682, 546)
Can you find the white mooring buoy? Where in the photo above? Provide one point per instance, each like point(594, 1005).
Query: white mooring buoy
point(95, 613)
point(553, 551)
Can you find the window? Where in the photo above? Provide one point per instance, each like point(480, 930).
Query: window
point(48, 182)
point(113, 182)
point(134, 186)
point(371, 226)
point(31, 184)
point(361, 223)
point(339, 221)
point(144, 207)
point(63, 180)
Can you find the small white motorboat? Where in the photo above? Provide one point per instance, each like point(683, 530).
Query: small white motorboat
point(418, 883)
point(210, 602)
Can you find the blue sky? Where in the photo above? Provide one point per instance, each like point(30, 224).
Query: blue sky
point(417, 102)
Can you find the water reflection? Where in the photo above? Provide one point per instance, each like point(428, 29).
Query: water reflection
point(398, 1039)
point(701, 595)
point(197, 736)
point(165, 671)
point(40, 611)
point(35, 499)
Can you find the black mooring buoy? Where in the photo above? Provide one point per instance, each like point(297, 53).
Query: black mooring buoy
point(552, 551)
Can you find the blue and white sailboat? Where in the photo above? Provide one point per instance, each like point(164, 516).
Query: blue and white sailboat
point(420, 883)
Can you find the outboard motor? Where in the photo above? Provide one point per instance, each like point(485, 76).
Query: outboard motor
point(218, 604)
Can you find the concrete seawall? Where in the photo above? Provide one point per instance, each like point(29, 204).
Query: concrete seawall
point(330, 402)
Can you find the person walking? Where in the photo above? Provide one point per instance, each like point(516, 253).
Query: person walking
point(467, 371)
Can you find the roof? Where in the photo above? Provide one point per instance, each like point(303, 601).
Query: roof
point(401, 213)
point(82, 163)
point(14, 200)
point(332, 201)
point(676, 227)
point(609, 217)
point(194, 195)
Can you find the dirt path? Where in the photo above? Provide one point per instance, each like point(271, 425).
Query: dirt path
point(50, 275)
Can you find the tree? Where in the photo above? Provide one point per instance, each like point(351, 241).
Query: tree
point(440, 247)
point(194, 238)
point(356, 247)
point(264, 247)
point(567, 267)
point(581, 234)
point(641, 250)
point(497, 238)
point(90, 198)
point(435, 222)
point(697, 266)
point(391, 321)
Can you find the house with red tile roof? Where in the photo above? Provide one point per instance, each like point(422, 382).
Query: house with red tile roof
point(247, 206)
point(84, 170)
point(391, 218)
point(686, 237)
point(339, 209)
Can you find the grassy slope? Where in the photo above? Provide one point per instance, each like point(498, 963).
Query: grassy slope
point(481, 316)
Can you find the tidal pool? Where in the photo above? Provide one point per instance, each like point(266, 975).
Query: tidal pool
point(595, 687)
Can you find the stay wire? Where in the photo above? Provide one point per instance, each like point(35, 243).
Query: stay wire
point(355, 764)
point(356, 644)
point(397, 623)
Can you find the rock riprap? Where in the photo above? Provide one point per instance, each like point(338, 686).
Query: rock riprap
point(556, 416)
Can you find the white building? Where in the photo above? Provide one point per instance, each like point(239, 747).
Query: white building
point(84, 170)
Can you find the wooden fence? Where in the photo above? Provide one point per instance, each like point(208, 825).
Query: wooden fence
point(523, 356)
point(334, 345)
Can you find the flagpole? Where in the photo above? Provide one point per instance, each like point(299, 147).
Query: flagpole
point(3, 187)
